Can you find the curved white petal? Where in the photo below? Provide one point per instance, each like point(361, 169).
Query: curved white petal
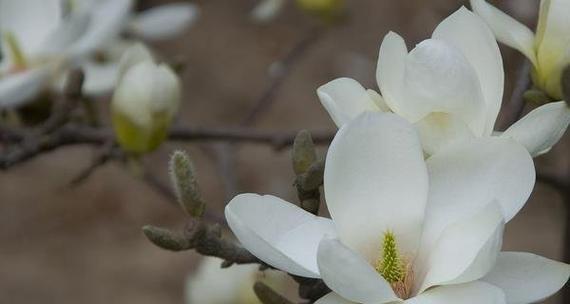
point(30, 21)
point(108, 18)
point(164, 21)
point(350, 275)
point(375, 180)
point(439, 130)
point(472, 36)
point(277, 232)
point(466, 250)
point(434, 77)
point(378, 100)
point(541, 129)
point(391, 69)
point(526, 277)
point(506, 29)
point(470, 293)
point(345, 99)
point(466, 177)
point(69, 31)
point(20, 88)
point(133, 55)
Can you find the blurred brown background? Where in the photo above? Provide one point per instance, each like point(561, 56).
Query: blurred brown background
point(84, 244)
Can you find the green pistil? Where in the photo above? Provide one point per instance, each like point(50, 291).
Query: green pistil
point(391, 266)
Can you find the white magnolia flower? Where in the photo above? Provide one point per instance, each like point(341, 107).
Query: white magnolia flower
point(548, 49)
point(211, 284)
point(450, 86)
point(145, 101)
point(40, 39)
point(405, 230)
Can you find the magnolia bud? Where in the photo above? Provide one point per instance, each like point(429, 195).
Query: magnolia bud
point(144, 103)
point(185, 185)
point(166, 239)
point(303, 153)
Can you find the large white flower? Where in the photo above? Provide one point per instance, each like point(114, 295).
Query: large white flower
point(449, 86)
point(548, 50)
point(404, 229)
point(40, 39)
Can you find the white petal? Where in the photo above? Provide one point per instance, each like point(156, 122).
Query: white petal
point(164, 21)
point(31, 21)
point(472, 36)
point(375, 180)
point(433, 77)
point(100, 79)
point(541, 129)
point(470, 293)
point(466, 250)
point(350, 275)
point(277, 232)
point(20, 88)
point(391, 70)
point(345, 99)
point(506, 29)
point(133, 55)
point(108, 18)
point(69, 31)
point(378, 100)
point(526, 277)
point(464, 178)
point(267, 10)
point(439, 130)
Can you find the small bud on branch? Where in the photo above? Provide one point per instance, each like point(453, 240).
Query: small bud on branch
point(166, 239)
point(185, 184)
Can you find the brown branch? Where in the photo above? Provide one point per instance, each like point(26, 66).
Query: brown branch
point(33, 145)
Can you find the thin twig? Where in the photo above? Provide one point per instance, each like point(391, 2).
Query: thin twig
point(34, 145)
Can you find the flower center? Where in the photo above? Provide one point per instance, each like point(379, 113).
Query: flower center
point(393, 267)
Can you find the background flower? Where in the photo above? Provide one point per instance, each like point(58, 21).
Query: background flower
point(547, 49)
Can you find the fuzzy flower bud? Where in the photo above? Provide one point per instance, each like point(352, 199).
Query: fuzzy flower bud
point(144, 103)
point(185, 184)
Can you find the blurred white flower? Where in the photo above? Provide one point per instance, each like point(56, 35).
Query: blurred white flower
point(449, 86)
point(40, 39)
point(404, 229)
point(145, 101)
point(548, 49)
point(211, 284)
point(266, 10)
